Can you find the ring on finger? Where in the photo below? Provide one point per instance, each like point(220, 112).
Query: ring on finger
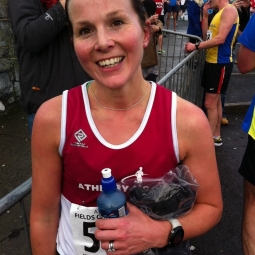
point(111, 246)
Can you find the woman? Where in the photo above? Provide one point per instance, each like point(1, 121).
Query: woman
point(121, 121)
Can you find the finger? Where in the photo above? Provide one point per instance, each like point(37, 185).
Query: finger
point(107, 223)
point(105, 236)
point(119, 247)
point(106, 245)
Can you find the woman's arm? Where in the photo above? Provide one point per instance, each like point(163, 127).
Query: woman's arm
point(46, 178)
point(197, 151)
point(138, 232)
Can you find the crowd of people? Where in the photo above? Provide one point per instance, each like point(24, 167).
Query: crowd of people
point(88, 85)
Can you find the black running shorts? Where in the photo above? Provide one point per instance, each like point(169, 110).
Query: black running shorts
point(171, 8)
point(247, 168)
point(216, 77)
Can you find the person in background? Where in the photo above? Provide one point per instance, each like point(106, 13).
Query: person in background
point(219, 36)
point(224, 120)
point(150, 58)
point(160, 10)
point(246, 63)
point(171, 10)
point(252, 9)
point(237, 4)
point(47, 62)
point(243, 8)
point(161, 16)
point(194, 19)
point(183, 8)
point(98, 124)
point(178, 5)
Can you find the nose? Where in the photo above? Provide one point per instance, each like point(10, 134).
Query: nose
point(104, 40)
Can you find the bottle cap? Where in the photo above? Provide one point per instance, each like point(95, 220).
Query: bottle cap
point(107, 173)
point(108, 181)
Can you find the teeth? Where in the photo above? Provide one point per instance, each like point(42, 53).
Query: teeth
point(110, 62)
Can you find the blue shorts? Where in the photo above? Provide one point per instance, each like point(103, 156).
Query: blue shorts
point(172, 8)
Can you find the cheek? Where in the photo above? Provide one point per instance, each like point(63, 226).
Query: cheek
point(135, 44)
point(81, 52)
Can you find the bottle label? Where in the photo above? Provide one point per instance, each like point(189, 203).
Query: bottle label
point(117, 213)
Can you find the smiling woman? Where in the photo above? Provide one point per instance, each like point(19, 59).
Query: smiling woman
point(119, 121)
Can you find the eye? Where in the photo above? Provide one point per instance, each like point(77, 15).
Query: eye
point(117, 22)
point(85, 31)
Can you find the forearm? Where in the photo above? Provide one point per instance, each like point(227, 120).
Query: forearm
point(197, 222)
point(217, 40)
point(43, 238)
point(201, 219)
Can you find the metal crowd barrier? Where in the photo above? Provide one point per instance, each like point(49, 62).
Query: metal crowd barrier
point(17, 196)
point(178, 71)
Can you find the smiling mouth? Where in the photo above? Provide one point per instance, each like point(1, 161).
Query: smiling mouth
point(111, 62)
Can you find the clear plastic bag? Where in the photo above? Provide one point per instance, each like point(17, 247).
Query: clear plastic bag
point(168, 197)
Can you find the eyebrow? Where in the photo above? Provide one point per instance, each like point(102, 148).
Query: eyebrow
point(108, 15)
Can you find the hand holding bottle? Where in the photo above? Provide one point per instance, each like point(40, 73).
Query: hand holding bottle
point(132, 234)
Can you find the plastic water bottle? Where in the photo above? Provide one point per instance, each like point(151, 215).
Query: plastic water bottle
point(111, 202)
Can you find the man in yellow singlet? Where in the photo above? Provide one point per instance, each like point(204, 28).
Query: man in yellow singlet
point(219, 38)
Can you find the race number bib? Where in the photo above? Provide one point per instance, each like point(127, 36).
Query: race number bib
point(83, 227)
point(208, 35)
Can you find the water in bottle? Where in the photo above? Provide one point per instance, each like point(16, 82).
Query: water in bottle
point(111, 202)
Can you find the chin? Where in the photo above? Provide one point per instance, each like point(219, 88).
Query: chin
point(113, 82)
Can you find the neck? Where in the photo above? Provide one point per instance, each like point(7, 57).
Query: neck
point(126, 102)
point(223, 4)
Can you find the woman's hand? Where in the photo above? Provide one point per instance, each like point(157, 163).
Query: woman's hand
point(153, 19)
point(154, 29)
point(133, 233)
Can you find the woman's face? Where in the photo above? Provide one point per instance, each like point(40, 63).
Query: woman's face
point(108, 39)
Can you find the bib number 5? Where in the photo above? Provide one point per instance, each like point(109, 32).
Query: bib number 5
point(87, 226)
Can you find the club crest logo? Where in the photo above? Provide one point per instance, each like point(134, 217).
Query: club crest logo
point(80, 136)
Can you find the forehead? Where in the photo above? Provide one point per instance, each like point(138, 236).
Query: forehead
point(89, 8)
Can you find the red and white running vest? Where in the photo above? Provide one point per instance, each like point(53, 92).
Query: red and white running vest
point(153, 148)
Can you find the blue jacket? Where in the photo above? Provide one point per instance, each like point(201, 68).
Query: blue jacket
point(194, 12)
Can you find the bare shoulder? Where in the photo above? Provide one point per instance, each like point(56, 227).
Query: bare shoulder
point(190, 115)
point(229, 12)
point(193, 129)
point(48, 118)
point(50, 109)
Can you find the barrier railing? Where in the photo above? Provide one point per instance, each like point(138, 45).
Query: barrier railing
point(177, 71)
point(17, 196)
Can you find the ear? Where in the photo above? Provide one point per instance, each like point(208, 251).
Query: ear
point(146, 30)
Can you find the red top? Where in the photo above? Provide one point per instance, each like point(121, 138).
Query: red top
point(85, 153)
point(160, 6)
